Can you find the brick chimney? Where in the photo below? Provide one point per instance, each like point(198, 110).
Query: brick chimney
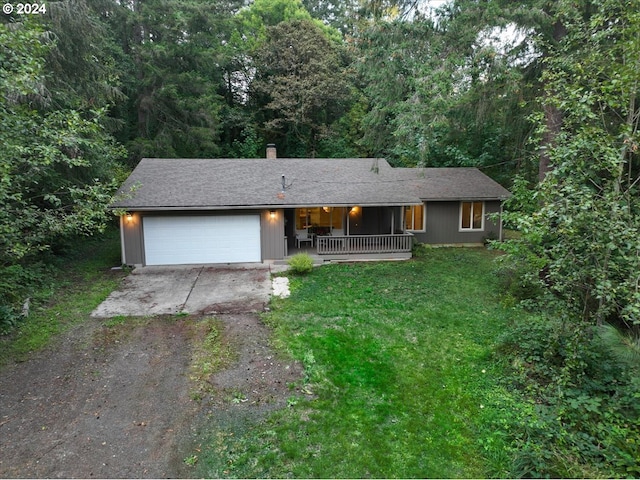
point(271, 151)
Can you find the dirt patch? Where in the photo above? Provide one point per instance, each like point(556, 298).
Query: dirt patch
point(259, 378)
point(233, 308)
point(117, 402)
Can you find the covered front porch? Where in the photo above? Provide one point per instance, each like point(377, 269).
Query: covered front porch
point(348, 233)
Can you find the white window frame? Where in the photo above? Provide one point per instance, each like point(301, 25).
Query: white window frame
point(413, 218)
point(470, 229)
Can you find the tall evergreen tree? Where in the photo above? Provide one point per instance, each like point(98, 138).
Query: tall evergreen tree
point(443, 92)
point(59, 164)
point(175, 77)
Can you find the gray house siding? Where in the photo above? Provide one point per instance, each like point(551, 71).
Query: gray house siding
point(443, 225)
point(272, 235)
point(364, 221)
point(132, 244)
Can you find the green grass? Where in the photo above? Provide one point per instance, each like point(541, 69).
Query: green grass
point(82, 281)
point(209, 355)
point(397, 356)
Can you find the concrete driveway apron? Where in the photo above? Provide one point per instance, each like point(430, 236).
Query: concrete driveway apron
point(193, 289)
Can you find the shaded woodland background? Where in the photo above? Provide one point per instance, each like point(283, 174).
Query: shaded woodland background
point(540, 95)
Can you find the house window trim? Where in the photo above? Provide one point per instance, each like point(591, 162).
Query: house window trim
point(424, 218)
point(471, 229)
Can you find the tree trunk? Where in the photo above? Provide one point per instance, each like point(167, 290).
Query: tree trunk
point(552, 116)
point(553, 123)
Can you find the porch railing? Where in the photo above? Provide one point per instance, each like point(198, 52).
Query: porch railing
point(364, 244)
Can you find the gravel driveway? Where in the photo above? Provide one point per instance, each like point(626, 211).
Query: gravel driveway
point(98, 404)
point(114, 400)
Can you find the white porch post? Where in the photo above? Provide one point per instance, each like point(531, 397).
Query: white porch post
point(347, 210)
point(393, 221)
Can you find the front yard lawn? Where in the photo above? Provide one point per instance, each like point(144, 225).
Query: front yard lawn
point(398, 371)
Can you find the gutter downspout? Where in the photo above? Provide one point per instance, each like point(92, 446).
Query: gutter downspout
point(501, 208)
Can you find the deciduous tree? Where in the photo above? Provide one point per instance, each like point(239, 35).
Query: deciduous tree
point(300, 86)
point(586, 231)
point(58, 165)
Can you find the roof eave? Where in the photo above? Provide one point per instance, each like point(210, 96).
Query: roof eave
point(466, 199)
point(147, 208)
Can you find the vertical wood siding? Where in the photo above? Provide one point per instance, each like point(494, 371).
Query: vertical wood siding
point(272, 235)
point(132, 238)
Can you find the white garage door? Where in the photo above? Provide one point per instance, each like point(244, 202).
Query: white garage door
point(201, 239)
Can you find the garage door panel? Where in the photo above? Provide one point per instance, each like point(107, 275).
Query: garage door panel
point(202, 239)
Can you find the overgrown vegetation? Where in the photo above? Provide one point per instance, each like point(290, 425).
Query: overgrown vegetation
point(210, 355)
point(583, 419)
point(578, 257)
point(74, 284)
point(582, 238)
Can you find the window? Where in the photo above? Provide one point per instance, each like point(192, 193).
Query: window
point(414, 218)
point(472, 216)
point(317, 217)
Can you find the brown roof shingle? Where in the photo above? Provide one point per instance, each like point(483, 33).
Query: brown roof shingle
point(246, 183)
point(184, 184)
point(458, 183)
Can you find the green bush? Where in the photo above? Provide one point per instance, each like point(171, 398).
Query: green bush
point(518, 281)
point(586, 421)
point(301, 263)
point(17, 282)
point(8, 319)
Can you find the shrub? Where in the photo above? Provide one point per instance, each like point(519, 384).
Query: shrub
point(301, 263)
point(518, 281)
point(17, 282)
point(8, 319)
point(586, 417)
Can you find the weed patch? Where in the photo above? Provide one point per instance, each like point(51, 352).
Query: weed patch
point(210, 355)
point(578, 402)
point(66, 296)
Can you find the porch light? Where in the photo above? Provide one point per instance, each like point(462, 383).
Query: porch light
point(272, 213)
point(326, 209)
point(129, 217)
point(354, 210)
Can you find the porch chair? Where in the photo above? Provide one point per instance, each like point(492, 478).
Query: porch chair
point(302, 237)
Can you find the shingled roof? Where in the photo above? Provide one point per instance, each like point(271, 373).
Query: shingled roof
point(201, 184)
point(458, 183)
point(257, 183)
